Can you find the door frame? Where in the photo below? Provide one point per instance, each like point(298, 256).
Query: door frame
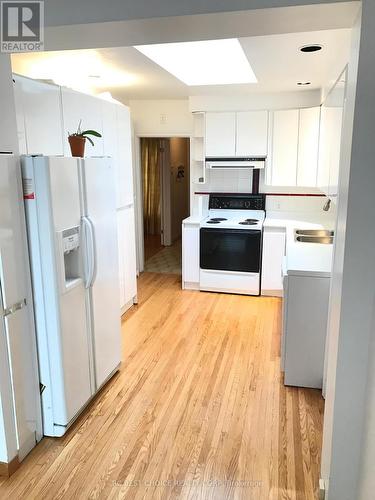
point(137, 171)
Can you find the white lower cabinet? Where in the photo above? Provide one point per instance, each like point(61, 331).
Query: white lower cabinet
point(272, 260)
point(127, 257)
point(304, 329)
point(190, 256)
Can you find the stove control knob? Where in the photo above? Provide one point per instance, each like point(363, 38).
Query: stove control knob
point(247, 204)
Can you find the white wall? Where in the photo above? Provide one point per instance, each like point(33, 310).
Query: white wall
point(348, 458)
point(164, 118)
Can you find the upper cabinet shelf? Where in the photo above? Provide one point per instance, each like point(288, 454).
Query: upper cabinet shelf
point(237, 134)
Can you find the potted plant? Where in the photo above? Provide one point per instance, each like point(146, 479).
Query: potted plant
point(77, 140)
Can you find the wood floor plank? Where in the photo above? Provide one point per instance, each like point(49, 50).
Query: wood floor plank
point(197, 411)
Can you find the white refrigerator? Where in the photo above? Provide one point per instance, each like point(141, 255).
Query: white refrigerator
point(72, 234)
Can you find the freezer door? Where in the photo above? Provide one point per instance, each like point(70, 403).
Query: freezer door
point(99, 206)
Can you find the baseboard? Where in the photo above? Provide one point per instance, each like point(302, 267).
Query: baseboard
point(189, 285)
point(272, 293)
point(7, 469)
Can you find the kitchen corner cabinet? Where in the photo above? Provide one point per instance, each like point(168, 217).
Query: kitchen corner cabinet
point(190, 256)
point(274, 240)
point(237, 134)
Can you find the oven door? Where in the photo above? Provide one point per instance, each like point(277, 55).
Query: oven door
point(230, 249)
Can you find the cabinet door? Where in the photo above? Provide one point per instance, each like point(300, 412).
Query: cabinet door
point(130, 256)
point(273, 254)
point(284, 147)
point(251, 133)
point(8, 126)
point(121, 255)
point(220, 134)
point(77, 106)
point(20, 115)
point(125, 160)
point(190, 255)
point(42, 115)
point(308, 145)
point(111, 146)
point(334, 157)
point(324, 150)
point(127, 256)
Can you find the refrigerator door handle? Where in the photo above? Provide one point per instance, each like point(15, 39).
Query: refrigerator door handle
point(89, 251)
point(93, 251)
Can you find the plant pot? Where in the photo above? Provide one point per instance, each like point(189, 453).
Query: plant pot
point(77, 145)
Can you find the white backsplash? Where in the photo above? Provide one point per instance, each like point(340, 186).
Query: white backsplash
point(229, 181)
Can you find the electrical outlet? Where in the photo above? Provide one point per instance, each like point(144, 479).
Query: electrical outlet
point(163, 119)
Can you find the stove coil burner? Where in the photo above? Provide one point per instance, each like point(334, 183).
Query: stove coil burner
point(213, 222)
point(249, 222)
point(218, 219)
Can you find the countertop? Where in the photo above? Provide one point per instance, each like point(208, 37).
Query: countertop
point(303, 259)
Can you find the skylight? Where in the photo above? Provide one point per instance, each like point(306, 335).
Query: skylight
point(211, 62)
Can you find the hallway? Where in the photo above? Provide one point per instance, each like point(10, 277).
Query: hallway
point(197, 411)
point(165, 259)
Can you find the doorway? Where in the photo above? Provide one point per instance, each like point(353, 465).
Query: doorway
point(164, 165)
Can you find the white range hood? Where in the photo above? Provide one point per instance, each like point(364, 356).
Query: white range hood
point(235, 163)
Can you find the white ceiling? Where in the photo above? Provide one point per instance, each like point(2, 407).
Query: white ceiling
point(127, 74)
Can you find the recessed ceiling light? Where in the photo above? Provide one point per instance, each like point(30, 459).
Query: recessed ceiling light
point(303, 83)
point(311, 48)
point(211, 62)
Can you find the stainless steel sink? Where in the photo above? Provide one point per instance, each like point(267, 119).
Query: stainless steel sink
point(322, 236)
point(314, 232)
point(325, 240)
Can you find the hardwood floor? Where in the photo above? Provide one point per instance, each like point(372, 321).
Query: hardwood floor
point(198, 411)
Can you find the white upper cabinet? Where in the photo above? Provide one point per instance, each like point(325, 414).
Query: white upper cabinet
point(330, 137)
point(324, 150)
point(20, 115)
point(237, 134)
point(308, 146)
point(221, 134)
point(334, 164)
point(41, 105)
point(8, 127)
point(251, 133)
point(77, 106)
point(110, 146)
point(294, 137)
point(117, 144)
point(125, 164)
point(283, 158)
